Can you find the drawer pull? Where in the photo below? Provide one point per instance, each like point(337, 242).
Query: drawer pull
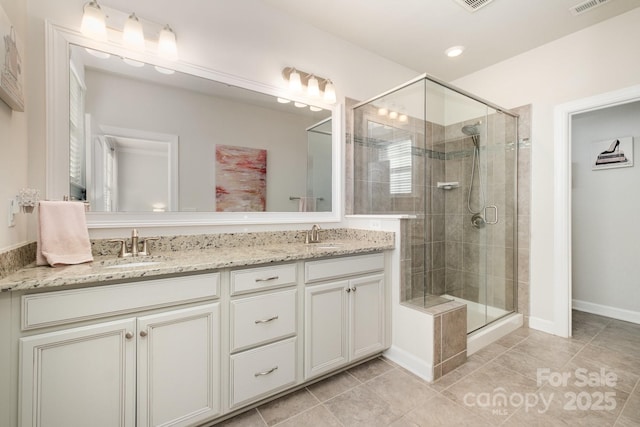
point(271, 319)
point(266, 279)
point(261, 374)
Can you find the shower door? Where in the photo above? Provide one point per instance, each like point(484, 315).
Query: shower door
point(477, 191)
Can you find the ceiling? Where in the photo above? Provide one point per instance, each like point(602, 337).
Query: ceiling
point(415, 33)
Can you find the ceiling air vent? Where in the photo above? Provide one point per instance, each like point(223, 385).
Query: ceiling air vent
point(587, 6)
point(473, 5)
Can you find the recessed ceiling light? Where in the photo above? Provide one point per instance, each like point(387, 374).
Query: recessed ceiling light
point(454, 51)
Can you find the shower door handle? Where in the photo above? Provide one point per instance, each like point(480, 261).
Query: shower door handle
point(495, 214)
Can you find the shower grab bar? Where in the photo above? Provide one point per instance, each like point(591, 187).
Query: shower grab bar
point(495, 214)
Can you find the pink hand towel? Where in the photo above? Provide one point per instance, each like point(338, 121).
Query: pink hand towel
point(63, 237)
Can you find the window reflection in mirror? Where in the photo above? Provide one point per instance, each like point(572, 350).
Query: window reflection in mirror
point(143, 140)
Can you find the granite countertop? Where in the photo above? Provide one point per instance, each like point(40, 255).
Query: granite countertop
point(110, 268)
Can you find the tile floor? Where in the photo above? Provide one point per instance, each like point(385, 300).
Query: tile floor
point(516, 381)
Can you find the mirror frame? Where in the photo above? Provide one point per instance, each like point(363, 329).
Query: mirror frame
point(57, 41)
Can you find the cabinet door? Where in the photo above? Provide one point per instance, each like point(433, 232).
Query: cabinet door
point(366, 320)
point(79, 377)
point(179, 366)
point(325, 327)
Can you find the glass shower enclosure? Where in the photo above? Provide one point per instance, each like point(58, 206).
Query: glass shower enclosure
point(445, 160)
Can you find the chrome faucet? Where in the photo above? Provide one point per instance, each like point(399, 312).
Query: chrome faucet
point(133, 250)
point(313, 235)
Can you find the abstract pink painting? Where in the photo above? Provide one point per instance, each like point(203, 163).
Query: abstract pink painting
point(241, 179)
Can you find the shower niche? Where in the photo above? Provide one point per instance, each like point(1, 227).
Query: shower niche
point(447, 160)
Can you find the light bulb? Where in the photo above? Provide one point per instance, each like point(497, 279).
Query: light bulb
point(295, 83)
point(313, 88)
point(329, 93)
point(167, 47)
point(393, 115)
point(300, 104)
point(382, 111)
point(132, 35)
point(167, 71)
point(94, 22)
point(133, 62)
point(284, 100)
point(403, 118)
point(314, 108)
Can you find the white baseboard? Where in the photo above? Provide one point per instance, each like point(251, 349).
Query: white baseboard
point(608, 311)
point(544, 325)
point(410, 362)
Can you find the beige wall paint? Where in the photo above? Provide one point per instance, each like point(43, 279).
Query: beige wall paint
point(596, 60)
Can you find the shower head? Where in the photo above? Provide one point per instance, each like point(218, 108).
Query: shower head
point(470, 130)
point(473, 132)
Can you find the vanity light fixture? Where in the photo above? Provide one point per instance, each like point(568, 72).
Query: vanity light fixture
point(94, 23)
point(383, 111)
point(316, 86)
point(132, 35)
point(167, 47)
point(403, 118)
point(393, 115)
point(96, 19)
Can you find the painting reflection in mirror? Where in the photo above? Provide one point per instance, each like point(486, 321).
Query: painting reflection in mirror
point(144, 141)
point(241, 179)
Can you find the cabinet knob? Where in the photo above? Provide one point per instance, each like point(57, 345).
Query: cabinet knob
point(143, 334)
point(353, 289)
point(128, 335)
point(348, 290)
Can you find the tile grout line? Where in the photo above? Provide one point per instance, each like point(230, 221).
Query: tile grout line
point(624, 405)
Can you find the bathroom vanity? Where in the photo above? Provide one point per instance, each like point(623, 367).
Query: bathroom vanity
point(187, 338)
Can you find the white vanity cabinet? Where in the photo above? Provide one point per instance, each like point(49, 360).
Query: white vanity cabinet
point(345, 311)
point(141, 370)
point(263, 340)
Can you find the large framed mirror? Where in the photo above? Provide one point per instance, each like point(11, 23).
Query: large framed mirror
point(149, 142)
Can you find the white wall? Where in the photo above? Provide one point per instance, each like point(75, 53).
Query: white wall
point(605, 206)
point(596, 60)
point(13, 142)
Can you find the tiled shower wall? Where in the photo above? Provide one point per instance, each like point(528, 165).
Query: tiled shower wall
point(449, 252)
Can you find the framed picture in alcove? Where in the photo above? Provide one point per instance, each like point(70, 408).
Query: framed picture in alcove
point(612, 153)
point(11, 70)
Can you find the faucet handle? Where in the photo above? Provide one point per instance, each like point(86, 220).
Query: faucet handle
point(122, 252)
point(145, 246)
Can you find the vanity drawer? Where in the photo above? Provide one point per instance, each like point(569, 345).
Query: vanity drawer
point(253, 279)
point(255, 373)
point(264, 318)
point(61, 307)
point(340, 267)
